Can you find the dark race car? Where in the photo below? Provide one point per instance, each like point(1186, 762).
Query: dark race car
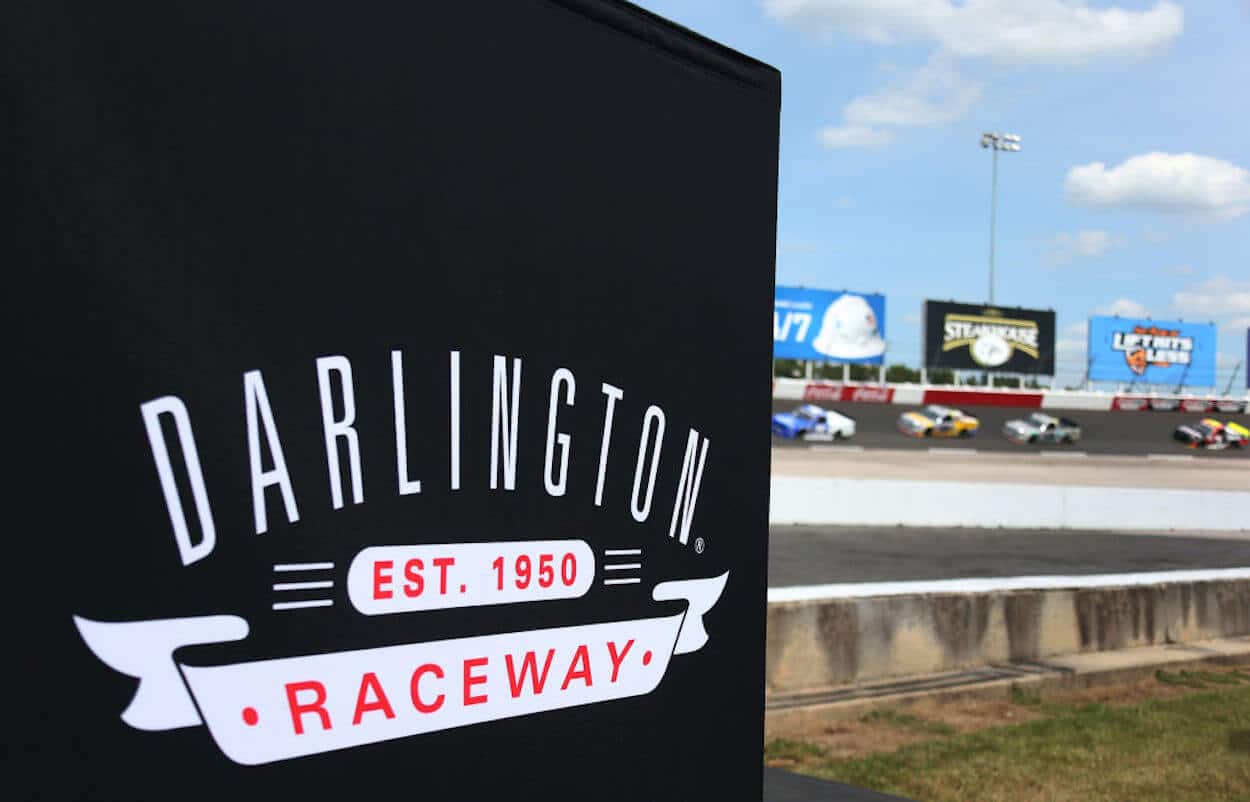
point(1212, 435)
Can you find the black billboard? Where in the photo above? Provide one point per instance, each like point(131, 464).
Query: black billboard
point(359, 450)
point(980, 337)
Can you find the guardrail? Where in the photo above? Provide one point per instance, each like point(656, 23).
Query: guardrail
point(831, 391)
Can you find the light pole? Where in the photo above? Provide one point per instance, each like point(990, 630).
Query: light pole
point(997, 142)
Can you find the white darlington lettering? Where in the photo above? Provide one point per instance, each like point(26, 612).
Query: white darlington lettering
point(639, 505)
point(556, 485)
point(167, 421)
point(688, 486)
point(340, 428)
point(175, 409)
point(503, 426)
point(256, 403)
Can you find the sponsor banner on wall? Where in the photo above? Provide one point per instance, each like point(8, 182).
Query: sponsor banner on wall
point(977, 337)
point(1130, 403)
point(340, 475)
point(958, 397)
point(829, 326)
point(1141, 403)
point(1137, 350)
point(859, 393)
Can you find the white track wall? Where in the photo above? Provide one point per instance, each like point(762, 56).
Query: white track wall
point(885, 502)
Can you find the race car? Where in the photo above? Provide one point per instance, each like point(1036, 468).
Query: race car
point(1042, 428)
point(937, 421)
point(810, 422)
point(1212, 435)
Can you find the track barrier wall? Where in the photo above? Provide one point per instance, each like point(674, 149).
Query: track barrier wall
point(819, 644)
point(830, 391)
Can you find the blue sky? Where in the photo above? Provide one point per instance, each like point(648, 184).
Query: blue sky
point(1131, 193)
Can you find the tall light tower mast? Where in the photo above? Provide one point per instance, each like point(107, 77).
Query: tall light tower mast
point(996, 142)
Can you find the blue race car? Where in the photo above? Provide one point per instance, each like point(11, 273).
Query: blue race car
point(810, 422)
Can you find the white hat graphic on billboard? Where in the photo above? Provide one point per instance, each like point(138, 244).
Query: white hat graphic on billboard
point(849, 330)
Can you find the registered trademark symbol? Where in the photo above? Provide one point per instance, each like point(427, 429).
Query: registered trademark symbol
point(698, 545)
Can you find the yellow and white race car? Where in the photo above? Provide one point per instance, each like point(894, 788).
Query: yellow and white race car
point(937, 421)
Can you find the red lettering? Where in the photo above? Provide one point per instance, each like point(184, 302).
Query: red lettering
point(471, 679)
point(529, 664)
point(582, 656)
point(442, 564)
point(414, 688)
point(298, 708)
point(380, 579)
point(617, 660)
point(369, 683)
point(415, 584)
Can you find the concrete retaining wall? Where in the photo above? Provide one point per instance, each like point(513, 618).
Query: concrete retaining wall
point(890, 502)
point(821, 644)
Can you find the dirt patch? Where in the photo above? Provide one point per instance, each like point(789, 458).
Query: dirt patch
point(922, 721)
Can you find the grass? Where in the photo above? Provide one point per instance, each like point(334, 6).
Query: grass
point(1192, 748)
point(1187, 678)
point(908, 722)
point(1027, 697)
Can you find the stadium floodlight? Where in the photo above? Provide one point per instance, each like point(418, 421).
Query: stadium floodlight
point(996, 141)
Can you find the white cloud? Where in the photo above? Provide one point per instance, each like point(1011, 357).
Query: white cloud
point(854, 136)
point(1214, 299)
point(1124, 307)
point(931, 95)
point(1044, 32)
point(1085, 243)
point(1038, 31)
point(1073, 339)
point(1183, 183)
point(1178, 270)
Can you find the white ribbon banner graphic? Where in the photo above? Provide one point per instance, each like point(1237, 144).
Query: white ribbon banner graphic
point(270, 710)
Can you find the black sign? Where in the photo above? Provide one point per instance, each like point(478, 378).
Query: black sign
point(973, 337)
point(360, 453)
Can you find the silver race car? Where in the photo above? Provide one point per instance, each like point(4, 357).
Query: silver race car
point(1042, 428)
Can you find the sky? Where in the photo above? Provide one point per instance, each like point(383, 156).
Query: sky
point(1130, 194)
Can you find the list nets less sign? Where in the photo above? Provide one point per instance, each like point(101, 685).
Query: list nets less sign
point(1151, 351)
point(357, 457)
point(973, 337)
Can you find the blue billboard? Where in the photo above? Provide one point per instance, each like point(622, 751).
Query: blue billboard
point(1151, 351)
point(829, 326)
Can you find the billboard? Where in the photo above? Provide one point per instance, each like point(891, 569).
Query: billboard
point(1137, 350)
point(340, 475)
point(978, 337)
point(829, 326)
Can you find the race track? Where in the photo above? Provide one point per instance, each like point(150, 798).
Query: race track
point(814, 555)
point(1124, 433)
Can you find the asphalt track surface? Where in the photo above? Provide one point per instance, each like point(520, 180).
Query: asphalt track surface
point(815, 555)
point(1124, 433)
point(785, 786)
